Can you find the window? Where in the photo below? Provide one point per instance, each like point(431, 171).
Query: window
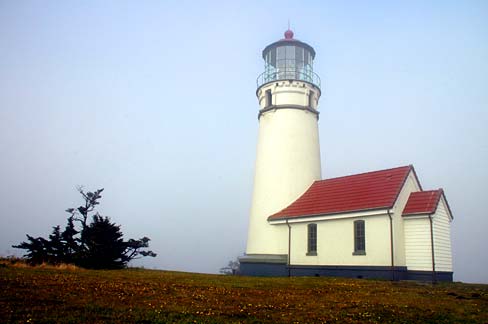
point(310, 99)
point(312, 239)
point(359, 238)
point(268, 98)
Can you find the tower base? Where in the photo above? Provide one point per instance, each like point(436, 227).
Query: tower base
point(264, 265)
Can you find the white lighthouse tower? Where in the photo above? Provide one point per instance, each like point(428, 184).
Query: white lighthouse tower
point(288, 152)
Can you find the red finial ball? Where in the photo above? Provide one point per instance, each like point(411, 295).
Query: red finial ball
point(288, 34)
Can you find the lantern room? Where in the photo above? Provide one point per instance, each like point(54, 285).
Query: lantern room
point(288, 59)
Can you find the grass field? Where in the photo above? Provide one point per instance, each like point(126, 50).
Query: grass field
point(49, 295)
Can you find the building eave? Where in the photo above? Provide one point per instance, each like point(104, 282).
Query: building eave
point(443, 196)
point(330, 216)
point(416, 215)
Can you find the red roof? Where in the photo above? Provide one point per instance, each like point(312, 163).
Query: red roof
point(423, 202)
point(365, 191)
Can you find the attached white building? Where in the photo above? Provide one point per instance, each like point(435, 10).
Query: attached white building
point(372, 225)
point(377, 224)
point(427, 229)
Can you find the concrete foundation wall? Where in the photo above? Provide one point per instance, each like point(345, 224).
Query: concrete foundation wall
point(361, 272)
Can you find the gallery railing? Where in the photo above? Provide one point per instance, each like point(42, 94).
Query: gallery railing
point(288, 74)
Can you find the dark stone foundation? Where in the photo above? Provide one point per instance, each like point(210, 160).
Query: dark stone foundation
point(276, 266)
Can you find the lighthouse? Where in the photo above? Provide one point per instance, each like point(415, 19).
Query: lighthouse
point(288, 151)
point(376, 224)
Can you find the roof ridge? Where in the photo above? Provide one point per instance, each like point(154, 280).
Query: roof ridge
point(432, 193)
point(410, 166)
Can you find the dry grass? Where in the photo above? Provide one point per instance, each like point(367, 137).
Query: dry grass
point(48, 295)
point(20, 263)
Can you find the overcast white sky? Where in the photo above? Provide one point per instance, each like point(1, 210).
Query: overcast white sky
point(155, 102)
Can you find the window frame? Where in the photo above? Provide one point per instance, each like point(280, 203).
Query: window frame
point(359, 229)
point(268, 98)
point(312, 239)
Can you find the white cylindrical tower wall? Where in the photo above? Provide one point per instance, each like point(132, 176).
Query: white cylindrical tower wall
point(287, 158)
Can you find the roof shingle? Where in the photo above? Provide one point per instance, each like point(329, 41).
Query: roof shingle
point(365, 191)
point(422, 202)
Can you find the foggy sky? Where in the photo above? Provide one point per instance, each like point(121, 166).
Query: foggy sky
point(155, 102)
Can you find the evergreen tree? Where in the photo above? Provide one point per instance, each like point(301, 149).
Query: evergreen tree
point(37, 249)
point(98, 244)
point(55, 247)
point(70, 241)
point(104, 244)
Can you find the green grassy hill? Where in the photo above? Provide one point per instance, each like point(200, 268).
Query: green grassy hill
point(48, 295)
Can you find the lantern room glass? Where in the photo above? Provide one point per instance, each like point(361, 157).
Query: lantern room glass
point(289, 62)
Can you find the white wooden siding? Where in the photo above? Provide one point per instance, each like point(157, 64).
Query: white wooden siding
point(411, 185)
point(442, 238)
point(418, 248)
